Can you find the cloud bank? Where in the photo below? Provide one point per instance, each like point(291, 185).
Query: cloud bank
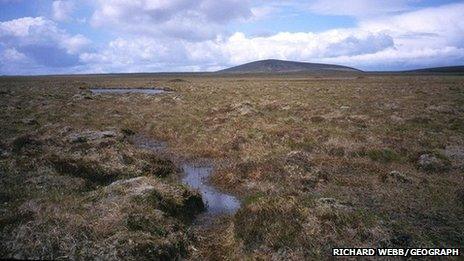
point(181, 19)
point(185, 35)
point(38, 44)
point(62, 10)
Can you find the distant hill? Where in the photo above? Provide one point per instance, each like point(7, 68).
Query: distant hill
point(279, 66)
point(447, 69)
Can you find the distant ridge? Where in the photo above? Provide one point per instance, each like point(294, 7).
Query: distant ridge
point(280, 66)
point(446, 69)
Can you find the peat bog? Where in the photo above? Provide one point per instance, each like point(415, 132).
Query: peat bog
point(302, 164)
point(114, 90)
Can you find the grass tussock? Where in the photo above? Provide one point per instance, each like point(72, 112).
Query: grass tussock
point(86, 200)
point(88, 170)
point(318, 162)
point(308, 226)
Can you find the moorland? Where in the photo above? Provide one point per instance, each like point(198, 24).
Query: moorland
point(317, 161)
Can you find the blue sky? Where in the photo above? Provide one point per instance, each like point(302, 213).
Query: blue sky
point(103, 36)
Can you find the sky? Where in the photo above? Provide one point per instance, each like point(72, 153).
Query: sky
point(121, 36)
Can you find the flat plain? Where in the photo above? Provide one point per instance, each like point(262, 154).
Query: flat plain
point(317, 161)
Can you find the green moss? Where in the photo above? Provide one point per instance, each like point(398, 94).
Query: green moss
point(253, 198)
point(456, 125)
point(383, 155)
point(280, 218)
point(306, 144)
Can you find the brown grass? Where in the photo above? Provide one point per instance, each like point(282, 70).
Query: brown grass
point(317, 162)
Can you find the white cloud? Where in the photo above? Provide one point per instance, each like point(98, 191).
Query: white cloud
point(74, 44)
point(184, 35)
point(21, 27)
point(150, 53)
point(359, 7)
point(40, 31)
point(401, 59)
point(12, 55)
point(140, 54)
point(436, 26)
point(261, 12)
point(62, 10)
point(187, 19)
point(14, 62)
point(428, 37)
point(304, 46)
point(41, 41)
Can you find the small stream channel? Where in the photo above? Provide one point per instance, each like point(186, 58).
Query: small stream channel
point(217, 202)
point(196, 177)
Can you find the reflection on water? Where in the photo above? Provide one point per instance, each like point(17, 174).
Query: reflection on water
point(216, 201)
point(126, 91)
point(195, 177)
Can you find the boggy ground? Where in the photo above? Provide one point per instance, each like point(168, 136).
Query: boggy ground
point(319, 162)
